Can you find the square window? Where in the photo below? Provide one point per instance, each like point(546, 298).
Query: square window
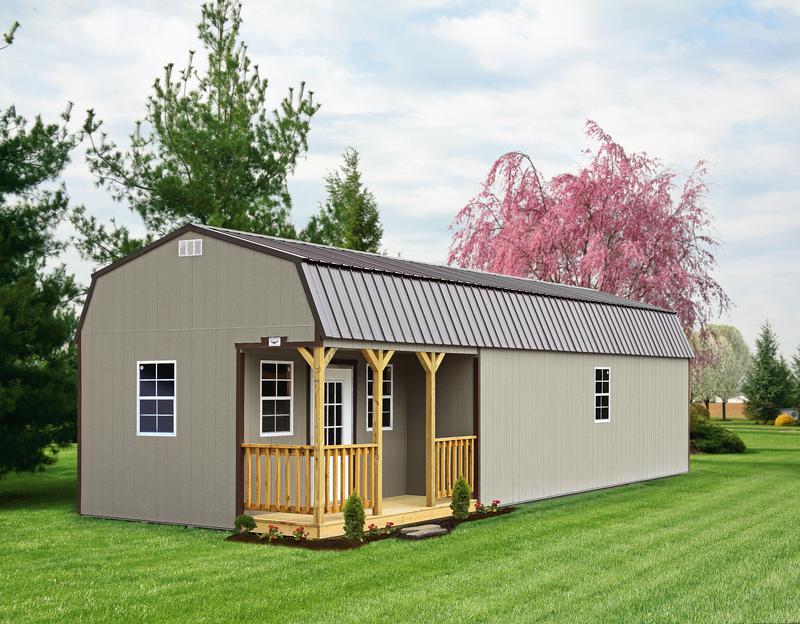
point(147, 406)
point(147, 371)
point(147, 424)
point(165, 424)
point(166, 371)
point(147, 388)
point(166, 407)
point(165, 388)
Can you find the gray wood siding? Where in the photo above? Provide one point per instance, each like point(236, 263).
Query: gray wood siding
point(192, 310)
point(538, 436)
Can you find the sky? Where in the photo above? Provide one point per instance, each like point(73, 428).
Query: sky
point(431, 93)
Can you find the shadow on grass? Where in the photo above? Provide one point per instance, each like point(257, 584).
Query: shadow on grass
point(55, 486)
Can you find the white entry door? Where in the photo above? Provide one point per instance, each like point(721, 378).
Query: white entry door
point(338, 423)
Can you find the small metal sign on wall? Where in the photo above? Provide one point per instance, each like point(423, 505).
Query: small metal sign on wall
point(274, 341)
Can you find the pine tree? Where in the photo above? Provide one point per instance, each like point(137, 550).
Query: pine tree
point(767, 385)
point(37, 355)
point(796, 379)
point(207, 151)
point(349, 218)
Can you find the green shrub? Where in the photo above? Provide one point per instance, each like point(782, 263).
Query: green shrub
point(706, 437)
point(462, 494)
point(244, 523)
point(354, 517)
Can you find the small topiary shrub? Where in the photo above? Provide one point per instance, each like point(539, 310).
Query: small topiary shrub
point(784, 420)
point(244, 523)
point(354, 517)
point(459, 503)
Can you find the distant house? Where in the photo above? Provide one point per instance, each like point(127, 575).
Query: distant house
point(223, 372)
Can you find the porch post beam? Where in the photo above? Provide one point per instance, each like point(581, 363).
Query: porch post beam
point(318, 360)
point(430, 364)
point(377, 360)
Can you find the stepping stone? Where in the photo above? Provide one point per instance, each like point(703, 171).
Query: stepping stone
point(426, 533)
point(420, 527)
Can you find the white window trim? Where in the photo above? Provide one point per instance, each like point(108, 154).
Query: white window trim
point(276, 434)
point(369, 400)
point(157, 434)
point(597, 394)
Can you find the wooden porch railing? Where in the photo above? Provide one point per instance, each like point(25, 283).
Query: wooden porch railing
point(278, 477)
point(454, 457)
point(349, 468)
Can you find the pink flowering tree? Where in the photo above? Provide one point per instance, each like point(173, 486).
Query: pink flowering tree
point(622, 224)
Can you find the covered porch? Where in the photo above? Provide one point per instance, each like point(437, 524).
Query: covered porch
point(404, 472)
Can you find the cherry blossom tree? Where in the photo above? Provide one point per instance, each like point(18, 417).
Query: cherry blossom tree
point(622, 224)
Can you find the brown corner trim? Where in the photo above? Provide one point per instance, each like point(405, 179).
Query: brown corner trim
point(476, 420)
point(80, 446)
point(239, 508)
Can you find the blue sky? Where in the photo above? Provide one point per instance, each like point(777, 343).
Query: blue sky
point(431, 93)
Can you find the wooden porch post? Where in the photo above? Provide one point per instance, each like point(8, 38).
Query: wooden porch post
point(318, 361)
point(377, 361)
point(430, 362)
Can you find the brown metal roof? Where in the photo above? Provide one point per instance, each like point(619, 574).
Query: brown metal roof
point(370, 297)
point(311, 252)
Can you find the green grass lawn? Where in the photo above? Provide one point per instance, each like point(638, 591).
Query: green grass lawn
point(720, 544)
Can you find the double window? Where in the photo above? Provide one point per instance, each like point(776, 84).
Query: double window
point(277, 381)
point(386, 408)
point(602, 394)
point(155, 394)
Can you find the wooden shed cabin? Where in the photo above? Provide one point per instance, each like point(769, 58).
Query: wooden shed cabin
point(223, 372)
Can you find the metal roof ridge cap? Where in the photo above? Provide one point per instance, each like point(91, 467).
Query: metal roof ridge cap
point(230, 233)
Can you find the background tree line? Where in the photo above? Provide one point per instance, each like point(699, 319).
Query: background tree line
point(724, 369)
point(207, 150)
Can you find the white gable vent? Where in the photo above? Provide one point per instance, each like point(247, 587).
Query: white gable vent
point(192, 247)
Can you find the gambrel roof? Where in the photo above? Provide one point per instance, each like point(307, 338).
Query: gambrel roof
point(375, 298)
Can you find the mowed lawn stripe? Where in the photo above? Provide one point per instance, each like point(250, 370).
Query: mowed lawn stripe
point(716, 545)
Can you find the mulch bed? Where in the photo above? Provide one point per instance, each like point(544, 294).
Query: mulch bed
point(329, 543)
point(343, 543)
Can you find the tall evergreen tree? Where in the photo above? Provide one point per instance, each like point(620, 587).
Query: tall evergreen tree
point(37, 321)
point(349, 217)
point(767, 385)
point(208, 150)
point(795, 366)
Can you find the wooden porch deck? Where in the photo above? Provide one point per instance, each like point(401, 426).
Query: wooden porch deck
point(399, 510)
